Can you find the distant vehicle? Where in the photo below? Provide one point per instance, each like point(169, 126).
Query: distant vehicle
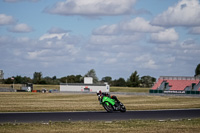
point(27, 87)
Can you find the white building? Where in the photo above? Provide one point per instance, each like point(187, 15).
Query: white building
point(87, 86)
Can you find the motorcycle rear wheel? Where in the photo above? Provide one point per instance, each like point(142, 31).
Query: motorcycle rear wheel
point(122, 108)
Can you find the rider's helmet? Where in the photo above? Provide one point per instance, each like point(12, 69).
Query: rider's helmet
point(99, 92)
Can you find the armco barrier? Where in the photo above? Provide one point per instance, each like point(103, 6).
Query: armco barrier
point(155, 91)
point(175, 92)
point(192, 92)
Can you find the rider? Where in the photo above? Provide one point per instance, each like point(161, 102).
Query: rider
point(99, 94)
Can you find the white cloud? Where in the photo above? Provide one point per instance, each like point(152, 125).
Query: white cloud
point(139, 25)
point(128, 27)
point(90, 59)
point(184, 13)
point(38, 54)
point(21, 28)
point(110, 60)
point(167, 36)
point(107, 30)
point(150, 64)
point(188, 44)
point(93, 7)
point(195, 30)
point(114, 39)
point(146, 61)
point(6, 20)
point(58, 36)
point(180, 52)
point(170, 59)
point(66, 52)
point(55, 33)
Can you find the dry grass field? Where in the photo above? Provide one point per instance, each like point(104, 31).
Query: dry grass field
point(53, 102)
point(129, 89)
point(34, 102)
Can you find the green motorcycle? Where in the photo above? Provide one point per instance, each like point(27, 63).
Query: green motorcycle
point(111, 105)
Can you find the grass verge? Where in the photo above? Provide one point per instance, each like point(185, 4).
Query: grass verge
point(129, 89)
point(138, 126)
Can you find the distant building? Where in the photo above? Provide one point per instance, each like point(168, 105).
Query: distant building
point(1, 74)
point(176, 85)
point(87, 86)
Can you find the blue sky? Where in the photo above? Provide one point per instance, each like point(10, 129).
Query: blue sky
point(113, 37)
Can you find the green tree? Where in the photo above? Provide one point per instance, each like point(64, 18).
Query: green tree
point(63, 79)
point(107, 79)
point(119, 82)
point(18, 79)
point(133, 80)
point(78, 79)
point(92, 74)
point(8, 81)
point(147, 81)
point(46, 80)
point(54, 78)
point(22, 80)
point(55, 81)
point(26, 80)
point(71, 79)
point(37, 77)
point(197, 70)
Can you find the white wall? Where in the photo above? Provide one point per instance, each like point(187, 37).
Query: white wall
point(84, 87)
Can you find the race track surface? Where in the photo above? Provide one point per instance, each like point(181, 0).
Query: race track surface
point(98, 116)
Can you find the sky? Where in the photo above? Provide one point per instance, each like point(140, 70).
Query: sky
point(113, 37)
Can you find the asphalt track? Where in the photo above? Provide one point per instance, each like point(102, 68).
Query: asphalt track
point(98, 116)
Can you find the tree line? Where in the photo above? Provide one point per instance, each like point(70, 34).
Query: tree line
point(133, 81)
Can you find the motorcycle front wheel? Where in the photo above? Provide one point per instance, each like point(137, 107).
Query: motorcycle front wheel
point(108, 108)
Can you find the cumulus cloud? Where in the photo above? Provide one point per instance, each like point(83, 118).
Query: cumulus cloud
point(184, 51)
point(184, 13)
point(6, 20)
point(195, 30)
point(92, 7)
point(21, 28)
point(146, 61)
point(55, 33)
point(139, 25)
point(107, 30)
point(114, 39)
point(188, 44)
point(44, 53)
point(110, 61)
point(167, 36)
point(121, 42)
point(58, 36)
